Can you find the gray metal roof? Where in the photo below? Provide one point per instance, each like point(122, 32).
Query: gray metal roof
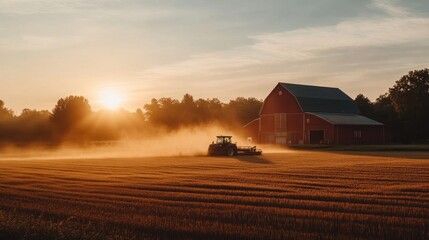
point(346, 119)
point(322, 99)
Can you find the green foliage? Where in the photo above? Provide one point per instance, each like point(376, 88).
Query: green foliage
point(73, 121)
point(365, 105)
point(410, 98)
point(34, 126)
point(70, 111)
point(68, 117)
point(172, 114)
point(244, 110)
point(5, 113)
point(404, 109)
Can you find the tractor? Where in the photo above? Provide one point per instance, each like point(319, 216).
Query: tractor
point(224, 147)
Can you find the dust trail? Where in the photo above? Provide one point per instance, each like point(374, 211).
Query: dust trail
point(191, 141)
point(184, 142)
point(274, 149)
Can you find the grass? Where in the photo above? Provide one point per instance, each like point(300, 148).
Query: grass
point(291, 195)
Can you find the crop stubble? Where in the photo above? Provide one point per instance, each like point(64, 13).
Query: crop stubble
point(292, 195)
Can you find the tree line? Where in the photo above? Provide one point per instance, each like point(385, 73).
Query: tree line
point(73, 120)
point(404, 109)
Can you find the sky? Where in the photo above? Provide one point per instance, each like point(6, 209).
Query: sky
point(144, 49)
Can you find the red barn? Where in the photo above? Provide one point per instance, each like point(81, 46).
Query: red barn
point(301, 114)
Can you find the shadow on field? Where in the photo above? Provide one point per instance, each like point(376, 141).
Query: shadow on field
point(391, 154)
point(393, 151)
point(253, 159)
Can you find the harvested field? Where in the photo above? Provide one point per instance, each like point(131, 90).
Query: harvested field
point(291, 195)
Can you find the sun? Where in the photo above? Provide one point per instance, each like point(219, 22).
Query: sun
point(110, 99)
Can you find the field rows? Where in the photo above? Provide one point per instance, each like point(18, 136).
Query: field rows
point(291, 195)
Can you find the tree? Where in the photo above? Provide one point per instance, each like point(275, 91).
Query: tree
point(173, 114)
point(243, 110)
point(69, 113)
point(209, 110)
point(365, 106)
point(410, 99)
point(34, 126)
point(152, 110)
point(163, 112)
point(6, 123)
point(5, 113)
point(188, 113)
point(169, 113)
point(34, 115)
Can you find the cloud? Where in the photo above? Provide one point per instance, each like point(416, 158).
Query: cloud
point(38, 42)
point(87, 9)
point(304, 44)
point(390, 8)
point(338, 54)
point(28, 7)
point(308, 42)
point(289, 54)
point(27, 25)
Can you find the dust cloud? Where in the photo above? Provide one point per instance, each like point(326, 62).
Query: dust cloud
point(273, 149)
point(191, 141)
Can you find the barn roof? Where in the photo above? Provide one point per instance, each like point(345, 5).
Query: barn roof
point(322, 99)
point(346, 119)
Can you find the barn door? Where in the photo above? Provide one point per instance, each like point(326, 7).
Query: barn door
point(317, 137)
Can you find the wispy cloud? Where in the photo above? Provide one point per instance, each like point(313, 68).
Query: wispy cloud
point(96, 8)
point(36, 43)
point(305, 45)
point(165, 48)
point(27, 7)
point(27, 25)
point(390, 8)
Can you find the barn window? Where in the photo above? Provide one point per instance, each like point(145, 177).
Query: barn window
point(357, 134)
point(280, 93)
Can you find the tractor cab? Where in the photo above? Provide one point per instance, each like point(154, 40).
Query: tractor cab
point(224, 147)
point(223, 139)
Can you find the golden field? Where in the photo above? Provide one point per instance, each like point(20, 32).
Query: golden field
point(284, 195)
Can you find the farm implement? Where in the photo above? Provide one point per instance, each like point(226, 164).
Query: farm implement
point(224, 147)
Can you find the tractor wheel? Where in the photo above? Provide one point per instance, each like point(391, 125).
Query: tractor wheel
point(231, 152)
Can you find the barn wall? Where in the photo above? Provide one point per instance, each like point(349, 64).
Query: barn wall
point(295, 128)
point(266, 129)
point(313, 123)
point(282, 128)
point(281, 118)
point(284, 103)
point(283, 122)
point(252, 130)
point(294, 122)
point(267, 123)
point(360, 134)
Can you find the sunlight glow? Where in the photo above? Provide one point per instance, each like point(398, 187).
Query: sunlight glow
point(111, 99)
